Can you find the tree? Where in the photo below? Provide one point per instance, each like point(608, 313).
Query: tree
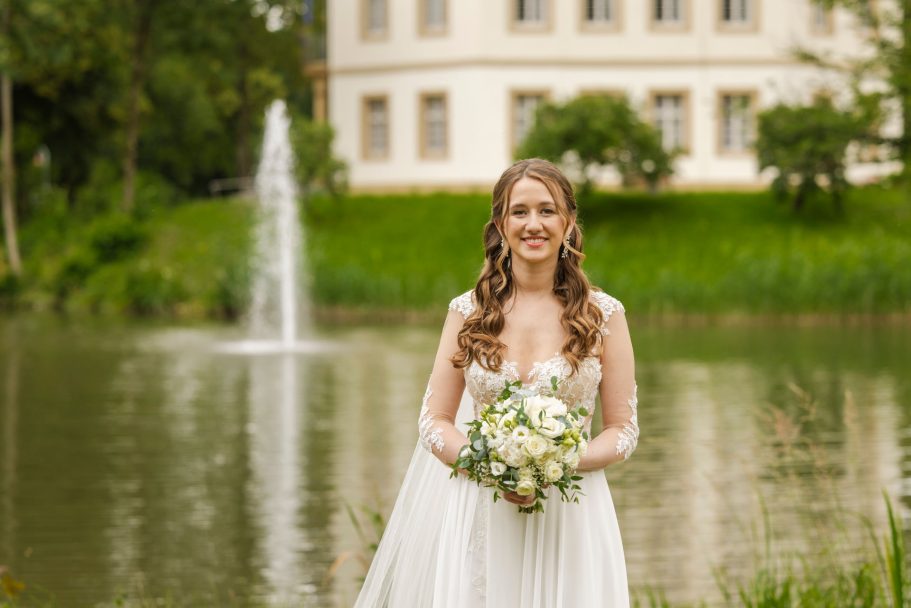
point(9, 169)
point(315, 164)
point(594, 132)
point(886, 28)
point(807, 145)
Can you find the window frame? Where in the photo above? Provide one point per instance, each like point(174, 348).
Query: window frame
point(751, 26)
point(687, 112)
point(829, 29)
point(514, 94)
point(682, 26)
point(614, 25)
point(424, 31)
point(424, 151)
point(519, 27)
point(368, 35)
point(753, 111)
point(366, 131)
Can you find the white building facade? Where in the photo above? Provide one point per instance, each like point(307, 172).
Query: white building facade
point(435, 94)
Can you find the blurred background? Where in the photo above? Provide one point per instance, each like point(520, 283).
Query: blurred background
point(231, 229)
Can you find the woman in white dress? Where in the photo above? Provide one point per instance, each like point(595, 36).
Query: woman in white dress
point(532, 315)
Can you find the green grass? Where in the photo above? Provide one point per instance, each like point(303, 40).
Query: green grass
point(674, 253)
point(732, 253)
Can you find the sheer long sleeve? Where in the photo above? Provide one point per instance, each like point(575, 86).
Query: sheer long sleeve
point(618, 389)
point(436, 422)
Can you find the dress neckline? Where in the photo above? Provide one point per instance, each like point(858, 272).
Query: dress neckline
point(513, 366)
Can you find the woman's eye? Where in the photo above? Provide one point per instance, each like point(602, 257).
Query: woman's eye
point(547, 211)
point(518, 212)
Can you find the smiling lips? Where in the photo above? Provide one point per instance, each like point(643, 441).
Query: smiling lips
point(534, 241)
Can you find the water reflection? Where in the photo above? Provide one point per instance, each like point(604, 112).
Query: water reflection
point(147, 460)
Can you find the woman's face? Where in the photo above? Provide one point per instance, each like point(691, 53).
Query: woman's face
point(534, 228)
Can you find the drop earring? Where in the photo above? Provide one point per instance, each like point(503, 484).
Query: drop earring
point(565, 253)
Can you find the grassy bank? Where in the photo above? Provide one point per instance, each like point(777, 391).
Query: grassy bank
point(735, 253)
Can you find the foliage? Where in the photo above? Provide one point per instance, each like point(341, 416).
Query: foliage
point(317, 168)
point(807, 145)
point(598, 131)
point(881, 73)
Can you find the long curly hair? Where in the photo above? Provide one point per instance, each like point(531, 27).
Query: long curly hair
point(581, 318)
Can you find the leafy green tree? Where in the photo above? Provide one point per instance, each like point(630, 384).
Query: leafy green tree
point(807, 146)
point(886, 32)
point(316, 166)
point(598, 131)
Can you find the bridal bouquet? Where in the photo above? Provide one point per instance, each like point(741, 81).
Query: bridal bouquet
point(525, 442)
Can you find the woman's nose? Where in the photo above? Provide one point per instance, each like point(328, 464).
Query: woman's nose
point(534, 221)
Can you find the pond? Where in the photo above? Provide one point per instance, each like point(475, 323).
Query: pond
point(138, 460)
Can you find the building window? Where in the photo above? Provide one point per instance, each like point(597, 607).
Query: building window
point(524, 106)
point(821, 21)
point(736, 129)
point(599, 11)
point(669, 115)
point(433, 19)
point(433, 131)
point(736, 11)
point(669, 12)
point(375, 18)
point(531, 12)
point(376, 128)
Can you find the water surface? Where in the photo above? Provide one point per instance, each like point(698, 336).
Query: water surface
point(135, 459)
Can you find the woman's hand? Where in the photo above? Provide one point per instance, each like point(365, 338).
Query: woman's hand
point(522, 501)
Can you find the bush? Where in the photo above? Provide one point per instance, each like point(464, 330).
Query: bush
point(807, 145)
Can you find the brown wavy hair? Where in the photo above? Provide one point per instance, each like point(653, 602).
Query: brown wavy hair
point(581, 318)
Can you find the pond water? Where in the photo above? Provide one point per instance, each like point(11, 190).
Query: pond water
point(137, 460)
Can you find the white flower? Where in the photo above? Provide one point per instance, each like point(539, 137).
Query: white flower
point(555, 407)
point(551, 427)
point(496, 441)
point(521, 433)
point(526, 474)
point(525, 488)
point(552, 472)
point(513, 455)
point(536, 446)
point(486, 429)
point(534, 407)
point(497, 468)
point(572, 459)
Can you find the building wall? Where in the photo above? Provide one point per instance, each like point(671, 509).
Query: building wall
point(482, 58)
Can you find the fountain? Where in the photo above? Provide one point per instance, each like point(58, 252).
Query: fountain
point(279, 312)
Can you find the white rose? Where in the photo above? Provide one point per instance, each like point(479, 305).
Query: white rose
point(583, 447)
point(554, 407)
point(526, 474)
point(513, 456)
point(551, 427)
point(569, 454)
point(552, 472)
point(572, 459)
point(521, 433)
point(497, 468)
point(486, 429)
point(536, 446)
point(525, 488)
point(534, 408)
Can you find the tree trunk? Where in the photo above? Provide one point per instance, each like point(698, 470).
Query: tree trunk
point(138, 66)
point(9, 169)
point(242, 150)
point(903, 86)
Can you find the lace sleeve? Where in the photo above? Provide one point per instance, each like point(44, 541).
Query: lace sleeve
point(618, 389)
point(436, 422)
point(463, 304)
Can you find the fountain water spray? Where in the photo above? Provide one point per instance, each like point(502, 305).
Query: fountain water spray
point(277, 310)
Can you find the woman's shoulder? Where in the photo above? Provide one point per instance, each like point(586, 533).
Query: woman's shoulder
point(606, 302)
point(464, 304)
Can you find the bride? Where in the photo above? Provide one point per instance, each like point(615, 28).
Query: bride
point(532, 315)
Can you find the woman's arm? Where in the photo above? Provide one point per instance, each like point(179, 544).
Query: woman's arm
point(436, 423)
point(620, 434)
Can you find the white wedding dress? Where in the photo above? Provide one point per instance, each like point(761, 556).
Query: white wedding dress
point(448, 545)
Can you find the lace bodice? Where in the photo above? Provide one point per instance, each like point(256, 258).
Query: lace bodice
point(576, 390)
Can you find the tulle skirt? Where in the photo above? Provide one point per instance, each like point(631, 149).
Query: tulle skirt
point(448, 545)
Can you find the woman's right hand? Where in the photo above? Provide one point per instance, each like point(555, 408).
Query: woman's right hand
point(516, 499)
